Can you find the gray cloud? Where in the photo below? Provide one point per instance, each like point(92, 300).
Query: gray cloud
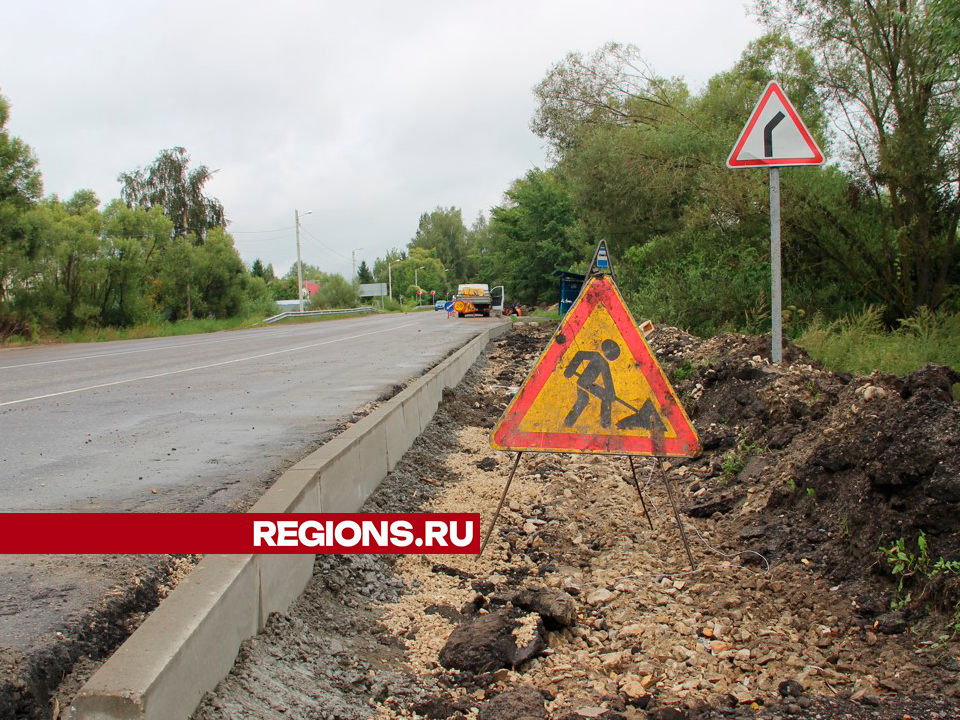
point(366, 113)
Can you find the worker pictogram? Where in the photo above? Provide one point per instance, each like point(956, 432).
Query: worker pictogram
point(597, 388)
point(774, 135)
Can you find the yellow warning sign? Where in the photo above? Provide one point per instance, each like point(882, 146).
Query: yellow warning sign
point(597, 388)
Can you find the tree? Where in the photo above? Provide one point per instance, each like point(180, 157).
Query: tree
point(888, 70)
point(615, 86)
point(535, 232)
point(363, 273)
point(167, 183)
point(20, 189)
point(20, 181)
point(310, 272)
point(383, 268)
point(135, 240)
point(442, 234)
point(335, 292)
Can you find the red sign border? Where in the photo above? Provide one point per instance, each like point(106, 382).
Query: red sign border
point(774, 87)
point(600, 290)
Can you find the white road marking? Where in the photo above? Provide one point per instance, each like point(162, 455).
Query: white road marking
point(200, 367)
point(129, 352)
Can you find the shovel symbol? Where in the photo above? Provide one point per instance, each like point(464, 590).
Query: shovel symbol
point(646, 417)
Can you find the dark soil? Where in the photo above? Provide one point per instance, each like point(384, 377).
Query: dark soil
point(845, 464)
point(29, 678)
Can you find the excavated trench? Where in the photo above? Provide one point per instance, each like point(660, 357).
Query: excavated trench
point(578, 609)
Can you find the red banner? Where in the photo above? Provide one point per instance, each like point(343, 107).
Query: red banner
point(239, 533)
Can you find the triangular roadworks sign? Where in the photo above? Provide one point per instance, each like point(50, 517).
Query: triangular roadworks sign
point(597, 388)
point(774, 135)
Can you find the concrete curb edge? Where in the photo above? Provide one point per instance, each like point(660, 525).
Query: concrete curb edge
point(190, 642)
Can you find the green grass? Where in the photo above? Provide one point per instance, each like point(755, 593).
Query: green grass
point(164, 329)
point(318, 318)
point(541, 312)
point(156, 329)
point(860, 344)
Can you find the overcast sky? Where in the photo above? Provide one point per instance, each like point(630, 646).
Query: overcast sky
point(366, 113)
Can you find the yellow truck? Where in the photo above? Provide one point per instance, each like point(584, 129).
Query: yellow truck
point(477, 295)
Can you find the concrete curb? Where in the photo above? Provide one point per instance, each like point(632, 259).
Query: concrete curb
point(190, 642)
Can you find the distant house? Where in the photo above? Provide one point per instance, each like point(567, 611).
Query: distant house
point(309, 288)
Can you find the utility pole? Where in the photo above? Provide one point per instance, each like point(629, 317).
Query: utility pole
point(296, 217)
point(389, 279)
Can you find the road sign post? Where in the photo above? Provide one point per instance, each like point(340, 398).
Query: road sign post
point(776, 313)
point(774, 137)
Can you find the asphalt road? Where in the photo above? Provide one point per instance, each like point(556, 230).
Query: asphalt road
point(195, 423)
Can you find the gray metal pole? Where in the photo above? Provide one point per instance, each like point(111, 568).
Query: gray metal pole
point(775, 310)
point(296, 216)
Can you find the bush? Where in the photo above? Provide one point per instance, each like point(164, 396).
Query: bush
point(335, 292)
point(258, 298)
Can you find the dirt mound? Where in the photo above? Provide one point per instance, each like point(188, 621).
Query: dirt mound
point(826, 467)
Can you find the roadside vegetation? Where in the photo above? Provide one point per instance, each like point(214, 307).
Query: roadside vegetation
point(871, 258)
point(861, 342)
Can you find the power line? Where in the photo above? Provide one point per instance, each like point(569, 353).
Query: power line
point(321, 243)
point(254, 232)
point(263, 240)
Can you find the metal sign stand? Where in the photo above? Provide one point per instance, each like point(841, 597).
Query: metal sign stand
point(775, 308)
point(774, 137)
point(636, 484)
point(657, 436)
point(503, 497)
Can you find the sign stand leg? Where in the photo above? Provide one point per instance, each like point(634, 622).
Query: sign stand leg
point(676, 513)
point(775, 309)
point(500, 506)
point(636, 484)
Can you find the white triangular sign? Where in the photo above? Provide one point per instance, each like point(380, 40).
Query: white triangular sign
point(774, 135)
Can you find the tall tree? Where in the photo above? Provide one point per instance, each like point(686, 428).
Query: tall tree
point(442, 233)
point(20, 188)
point(888, 70)
point(167, 183)
point(535, 232)
point(363, 272)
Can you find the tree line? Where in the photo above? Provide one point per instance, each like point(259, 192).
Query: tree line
point(159, 252)
point(638, 159)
